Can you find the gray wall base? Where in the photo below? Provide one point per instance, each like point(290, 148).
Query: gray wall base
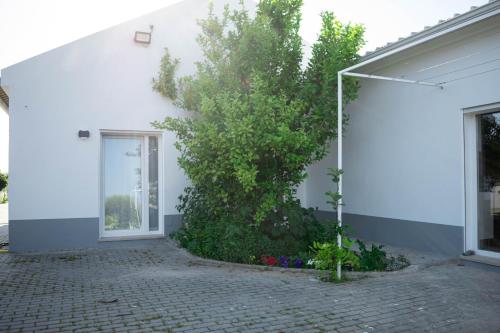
point(428, 237)
point(53, 234)
point(68, 234)
point(80, 233)
point(172, 223)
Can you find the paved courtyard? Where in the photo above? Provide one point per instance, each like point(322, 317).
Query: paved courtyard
point(161, 289)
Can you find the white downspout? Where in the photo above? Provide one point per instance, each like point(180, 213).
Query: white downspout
point(339, 166)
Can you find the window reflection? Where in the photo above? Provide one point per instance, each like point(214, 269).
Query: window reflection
point(122, 183)
point(489, 182)
point(153, 183)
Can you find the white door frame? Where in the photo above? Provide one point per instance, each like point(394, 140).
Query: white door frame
point(471, 175)
point(144, 231)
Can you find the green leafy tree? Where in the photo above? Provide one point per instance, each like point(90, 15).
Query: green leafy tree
point(260, 115)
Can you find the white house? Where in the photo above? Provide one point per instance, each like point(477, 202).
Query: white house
point(99, 86)
point(419, 162)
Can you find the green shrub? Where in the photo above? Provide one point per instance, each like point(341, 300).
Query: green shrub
point(228, 239)
point(3, 181)
point(259, 116)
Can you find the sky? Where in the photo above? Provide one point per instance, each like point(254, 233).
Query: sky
point(30, 27)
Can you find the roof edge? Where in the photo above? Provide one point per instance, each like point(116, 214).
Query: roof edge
point(91, 34)
point(478, 14)
point(112, 26)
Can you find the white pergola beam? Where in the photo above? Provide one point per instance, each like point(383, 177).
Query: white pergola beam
point(386, 78)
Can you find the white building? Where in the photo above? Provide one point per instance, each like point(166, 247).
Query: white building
point(101, 84)
point(414, 160)
point(410, 151)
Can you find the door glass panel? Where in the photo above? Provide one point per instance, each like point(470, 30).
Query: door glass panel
point(489, 182)
point(153, 183)
point(122, 183)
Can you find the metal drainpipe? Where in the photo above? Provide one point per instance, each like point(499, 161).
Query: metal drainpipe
point(339, 166)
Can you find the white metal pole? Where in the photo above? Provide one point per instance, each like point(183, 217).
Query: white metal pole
point(339, 166)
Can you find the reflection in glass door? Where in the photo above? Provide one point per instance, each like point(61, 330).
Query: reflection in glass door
point(130, 166)
point(488, 218)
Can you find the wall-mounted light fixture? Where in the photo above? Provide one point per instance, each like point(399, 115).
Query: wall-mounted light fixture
point(83, 134)
point(143, 37)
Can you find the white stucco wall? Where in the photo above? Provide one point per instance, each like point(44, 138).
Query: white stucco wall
point(99, 82)
point(404, 145)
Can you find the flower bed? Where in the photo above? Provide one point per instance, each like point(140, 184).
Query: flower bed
point(283, 261)
point(308, 268)
point(365, 260)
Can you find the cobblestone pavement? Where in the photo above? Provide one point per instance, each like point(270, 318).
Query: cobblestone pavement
point(161, 289)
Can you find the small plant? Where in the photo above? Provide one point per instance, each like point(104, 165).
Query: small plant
point(376, 259)
point(372, 260)
point(298, 263)
point(284, 261)
point(329, 254)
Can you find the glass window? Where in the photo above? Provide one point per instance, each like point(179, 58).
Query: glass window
point(489, 182)
point(122, 183)
point(153, 183)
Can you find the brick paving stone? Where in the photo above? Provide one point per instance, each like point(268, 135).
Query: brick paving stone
point(158, 288)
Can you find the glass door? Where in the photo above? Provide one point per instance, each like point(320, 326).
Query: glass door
point(130, 185)
point(488, 171)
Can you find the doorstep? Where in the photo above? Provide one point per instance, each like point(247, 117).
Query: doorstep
point(487, 263)
point(126, 238)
